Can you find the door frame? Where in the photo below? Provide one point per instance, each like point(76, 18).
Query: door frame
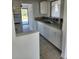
point(27, 14)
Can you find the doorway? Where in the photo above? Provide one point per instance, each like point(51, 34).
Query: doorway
point(24, 16)
point(25, 19)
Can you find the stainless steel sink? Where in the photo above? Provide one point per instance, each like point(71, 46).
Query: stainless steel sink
point(48, 21)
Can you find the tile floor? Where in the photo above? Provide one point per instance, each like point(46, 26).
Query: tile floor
point(47, 50)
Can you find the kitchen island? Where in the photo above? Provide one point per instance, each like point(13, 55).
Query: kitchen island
point(26, 46)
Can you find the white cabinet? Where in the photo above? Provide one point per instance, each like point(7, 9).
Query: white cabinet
point(52, 35)
point(40, 28)
point(43, 30)
point(43, 7)
point(55, 38)
point(26, 46)
point(58, 39)
point(46, 31)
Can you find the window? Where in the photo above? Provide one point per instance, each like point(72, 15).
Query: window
point(55, 9)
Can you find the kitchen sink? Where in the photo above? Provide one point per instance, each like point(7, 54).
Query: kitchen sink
point(48, 21)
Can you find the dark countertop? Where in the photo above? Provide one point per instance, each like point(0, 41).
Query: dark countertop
point(54, 25)
point(57, 22)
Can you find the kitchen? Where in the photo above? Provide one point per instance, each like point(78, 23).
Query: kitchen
point(45, 17)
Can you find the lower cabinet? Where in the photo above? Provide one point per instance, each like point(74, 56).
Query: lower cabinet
point(55, 38)
point(45, 32)
point(40, 28)
point(50, 34)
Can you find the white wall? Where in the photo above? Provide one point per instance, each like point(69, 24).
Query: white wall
point(36, 7)
point(13, 30)
point(64, 30)
point(62, 9)
point(35, 4)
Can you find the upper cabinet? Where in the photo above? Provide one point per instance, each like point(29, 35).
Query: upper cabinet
point(43, 7)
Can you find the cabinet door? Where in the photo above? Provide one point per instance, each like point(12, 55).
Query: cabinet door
point(36, 26)
point(54, 38)
point(46, 32)
point(43, 29)
point(58, 40)
point(40, 27)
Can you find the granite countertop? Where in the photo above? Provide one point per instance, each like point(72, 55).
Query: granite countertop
point(26, 33)
point(54, 25)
